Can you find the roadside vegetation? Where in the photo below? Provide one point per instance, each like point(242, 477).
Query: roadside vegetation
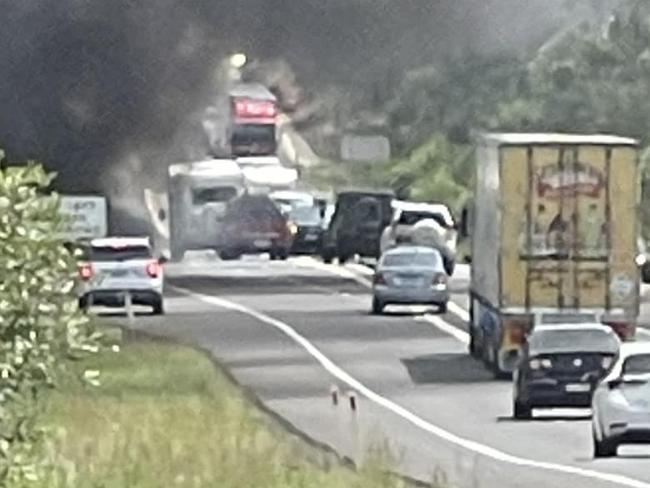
point(41, 329)
point(163, 416)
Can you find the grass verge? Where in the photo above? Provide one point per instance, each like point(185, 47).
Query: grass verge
point(164, 416)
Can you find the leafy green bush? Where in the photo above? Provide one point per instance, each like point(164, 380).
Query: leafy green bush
point(40, 324)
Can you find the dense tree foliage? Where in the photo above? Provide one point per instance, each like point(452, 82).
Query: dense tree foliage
point(594, 77)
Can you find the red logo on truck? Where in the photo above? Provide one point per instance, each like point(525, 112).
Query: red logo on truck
point(579, 179)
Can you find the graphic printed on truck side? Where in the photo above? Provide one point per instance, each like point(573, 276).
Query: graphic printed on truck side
point(569, 212)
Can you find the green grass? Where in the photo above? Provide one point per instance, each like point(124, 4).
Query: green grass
point(164, 416)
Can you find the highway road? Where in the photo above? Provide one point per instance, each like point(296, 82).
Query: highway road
point(291, 331)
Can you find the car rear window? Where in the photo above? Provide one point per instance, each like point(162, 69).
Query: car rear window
point(105, 253)
point(429, 259)
point(253, 207)
point(575, 340)
point(306, 214)
point(219, 194)
point(411, 218)
point(639, 364)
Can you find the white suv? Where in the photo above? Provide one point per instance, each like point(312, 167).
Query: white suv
point(114, 267)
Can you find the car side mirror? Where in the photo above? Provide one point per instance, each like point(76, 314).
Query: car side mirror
point(163, 260)
point(467, 259)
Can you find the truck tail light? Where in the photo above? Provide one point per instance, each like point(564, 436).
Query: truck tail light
point(516, 328)
point(379, 279)
point(624, 330)
point(86, 271)
point(153, 269)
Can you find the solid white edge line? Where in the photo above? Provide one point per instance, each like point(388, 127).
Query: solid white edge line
point(402, 412)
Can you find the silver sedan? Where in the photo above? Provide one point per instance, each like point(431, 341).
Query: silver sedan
point(621, 403)
point(410, 275)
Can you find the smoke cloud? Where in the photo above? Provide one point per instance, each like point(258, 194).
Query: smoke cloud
point(108, 92)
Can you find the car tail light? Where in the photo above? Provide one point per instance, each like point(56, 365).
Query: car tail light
point(379, 279)
point(537, 364)
point(86, 271)
point(439, 279)
point(153, 269)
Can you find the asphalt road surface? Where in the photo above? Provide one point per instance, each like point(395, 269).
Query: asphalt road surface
point(294, 331)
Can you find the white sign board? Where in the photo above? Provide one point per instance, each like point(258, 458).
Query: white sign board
point(86, 217)
point(365, 148)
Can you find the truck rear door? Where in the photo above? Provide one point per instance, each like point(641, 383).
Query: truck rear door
point(568, 226)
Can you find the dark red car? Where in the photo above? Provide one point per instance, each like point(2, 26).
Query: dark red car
point(253, 224)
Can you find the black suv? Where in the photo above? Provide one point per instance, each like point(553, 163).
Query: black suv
point(356, 226)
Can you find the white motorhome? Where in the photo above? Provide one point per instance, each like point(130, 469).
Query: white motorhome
point(198, 195)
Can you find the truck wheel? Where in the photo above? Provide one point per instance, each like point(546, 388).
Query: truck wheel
point(442, 308)
point(474, 346)
point(497, 372)
point(522, 410)
point(605, 448)
point(157, 307)
point(474, 350)
point(229, 255)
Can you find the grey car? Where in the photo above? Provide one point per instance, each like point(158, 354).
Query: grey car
point(410, 275)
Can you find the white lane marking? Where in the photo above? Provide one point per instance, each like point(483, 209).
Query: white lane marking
point(472, 446)
point(447, 328)
point(458, 311)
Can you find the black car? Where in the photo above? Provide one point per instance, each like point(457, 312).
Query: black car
point(356, 226)
point(561, 366)
point(307, 222)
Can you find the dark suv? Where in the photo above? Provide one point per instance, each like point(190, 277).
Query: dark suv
point(356, 226)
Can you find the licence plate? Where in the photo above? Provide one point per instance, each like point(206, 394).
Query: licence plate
point(119, 272)
point(262, 243)
point(578, 388)
point(311, 237)
point(406, 282)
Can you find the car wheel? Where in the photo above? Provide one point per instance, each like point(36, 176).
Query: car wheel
point(327, 255)
point(377, 306)
point(158, 307)
point(522, 410)
point(605, 448)
point(343, 258)
point(442, 308)
point(84, 304)
point(229, 255)
point(284, 254)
